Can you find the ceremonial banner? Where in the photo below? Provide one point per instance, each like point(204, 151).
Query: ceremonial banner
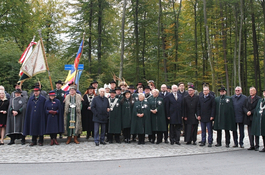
point(35, 63)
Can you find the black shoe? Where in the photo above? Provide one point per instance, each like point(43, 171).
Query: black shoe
point(241, 146)
point(194, 143)
point(139, 143)
point(256, 148)
point(60, 137)
point(227, 146)
point(22, 142)
point(87, 136)
point(200, 141)
point(178, 143)
point(172, 143)
point(263, 150)
point(11, 143)
point(251, 148)
point(40, 144)
point(110, 141)
point(103, 143)
point(32, 144)
point(202, 144)
point(188, 143)
point(210, 145)
point(217, 145)
point(97, 144)
point(235, 146)
point(166, 141)
point(117, 141)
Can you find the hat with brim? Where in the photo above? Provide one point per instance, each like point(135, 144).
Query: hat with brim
point(131, 87)
point(93, 82)
point(118, 88)
point(90, 87)
point(52, 93)
point(36, 89)
point(59, 82)
point(112, 81)
point(222, 89)
point(18, 91)
point(17, 84)
point(127, 92)
point(112, 91)
point(147, 87)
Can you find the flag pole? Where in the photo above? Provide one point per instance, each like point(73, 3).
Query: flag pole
point(80, 56)
point(47, 66)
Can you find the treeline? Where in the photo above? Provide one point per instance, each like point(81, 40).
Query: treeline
point(217, 41)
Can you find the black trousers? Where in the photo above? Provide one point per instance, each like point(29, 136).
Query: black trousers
point(159, 136)
point(117, 137)
point(141, 138)
point(219, 137)
point(191, 132)
point(166, 132)
point(53, 136)
point(34, 139)
point(241, 133)
point(175, 130)
point(251, 137)
point(126, 133)
point(13, 137)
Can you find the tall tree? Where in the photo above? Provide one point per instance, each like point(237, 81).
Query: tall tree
point(122, 38)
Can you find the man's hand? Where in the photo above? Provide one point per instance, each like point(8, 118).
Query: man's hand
point(108, 109)
point(89, 108)
point(211, 118)
point(168, 118)
point(154, 111)
point(14, 113)
point(185, 118)
point(248, 113)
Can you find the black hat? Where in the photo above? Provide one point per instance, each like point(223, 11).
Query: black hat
point(52, 93)
point(147, 87)
point(93, 82)
point(131, 87)
point(125, 92)
point(112, 81)
point(191, 86)
point(118, 88)
point(263, 90)
point(18, 91)
point(139, 83)
point(222, 88)
point(90, 87)
point(59, 82)
point(112, 91)
point(17, 84)
point(168, 87)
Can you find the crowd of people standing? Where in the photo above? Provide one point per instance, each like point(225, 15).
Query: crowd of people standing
point(108, 113)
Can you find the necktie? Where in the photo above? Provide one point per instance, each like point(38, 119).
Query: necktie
point(176, 97)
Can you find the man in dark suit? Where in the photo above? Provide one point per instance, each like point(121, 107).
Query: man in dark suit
point(206, 113)
point(163, 94)
point(239, 101)
point(248, 109)
point(174, 114)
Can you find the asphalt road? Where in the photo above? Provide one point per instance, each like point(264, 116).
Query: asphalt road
point(232, 162)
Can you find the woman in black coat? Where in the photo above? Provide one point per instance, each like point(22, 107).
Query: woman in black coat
point(3, 114)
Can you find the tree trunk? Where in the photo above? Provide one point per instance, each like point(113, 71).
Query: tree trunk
point(158, 40)
point(136, 32)
point(239, 43)
point(143, 51)
point(196, 43)
point(90, 36)
point(263, 8)
point(235, 48)
point(224, 36)
point(209, 45)
point(122, 38)
point(99, 34)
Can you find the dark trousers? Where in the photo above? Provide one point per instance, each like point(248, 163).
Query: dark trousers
point(191, 132)
point(117, 137)
point(53, 136)
point(166, 132)
point(13, 137)
point(141, 138)
point(207, 125)
point(96, 132)
point(126, 133)
point(159, 136)
point(219, 137)
point(241, 133)
point(251, 137)
point(34, 139)
point(175, 130)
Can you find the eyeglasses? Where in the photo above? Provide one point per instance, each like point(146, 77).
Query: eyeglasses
point(237, 90)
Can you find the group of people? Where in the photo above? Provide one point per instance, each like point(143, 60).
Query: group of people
point(107, 113)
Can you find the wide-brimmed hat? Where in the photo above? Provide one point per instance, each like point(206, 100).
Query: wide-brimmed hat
point(93, 82)
point(112, 91)
point(90, 87)
point(118, 88)
point(59, 82)
point(147, 87)
point(18, 91)
point(222, 88)
point(131, 87)
point(125, 92)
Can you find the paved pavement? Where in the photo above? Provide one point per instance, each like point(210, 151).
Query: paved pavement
point(87, 151)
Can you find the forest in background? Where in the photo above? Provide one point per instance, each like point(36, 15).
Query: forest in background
point(221, 42)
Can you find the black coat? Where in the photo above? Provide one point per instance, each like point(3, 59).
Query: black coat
point(190, 105)
point(250, 107)
point(174, 108)
point(87, 115)
point(206, 108)
point(183, 94)
point(239, 103)
point(99, 108)
point(162, 95)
